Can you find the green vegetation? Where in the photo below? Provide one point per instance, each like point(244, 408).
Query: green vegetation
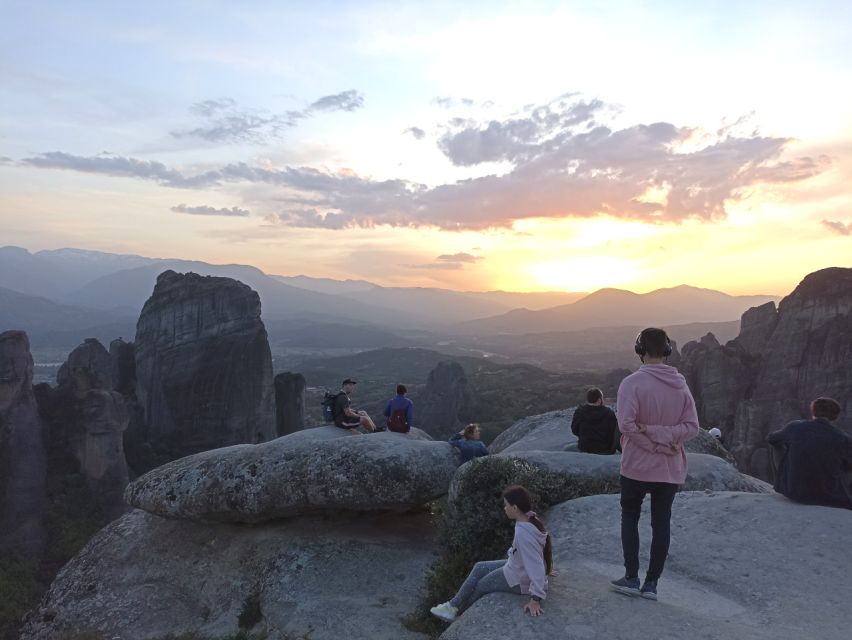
point(251, 613)
point(18, 591)
point(73, 516)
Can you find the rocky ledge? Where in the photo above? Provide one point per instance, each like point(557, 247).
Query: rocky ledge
point(322, 469)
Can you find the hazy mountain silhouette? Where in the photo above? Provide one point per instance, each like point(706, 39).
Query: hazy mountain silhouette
point(38, 316)
point(120, 284)
point(615, 307)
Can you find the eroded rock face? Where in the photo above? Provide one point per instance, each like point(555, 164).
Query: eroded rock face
point(98, 445)
point(721, 378)
point(147, 577)
point(722, 580)
point(756, 326)
point(88, 366)
point(23, 454)
point(781, 361)
point(448, 392)
point(203, 366)
point(123, 357)
point(289, 402)
point(327, 471)
point(86, 420)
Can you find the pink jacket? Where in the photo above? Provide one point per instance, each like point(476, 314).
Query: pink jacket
point(525, 566)
point(656, 415)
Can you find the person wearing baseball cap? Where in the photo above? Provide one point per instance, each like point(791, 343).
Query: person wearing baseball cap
point(345, 416)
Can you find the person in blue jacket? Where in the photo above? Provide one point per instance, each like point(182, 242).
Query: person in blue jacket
point(467, 441)
point(400, 411)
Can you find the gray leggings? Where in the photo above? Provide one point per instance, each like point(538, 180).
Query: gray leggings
point(485, 577)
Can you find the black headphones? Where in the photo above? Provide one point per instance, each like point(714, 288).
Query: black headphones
point(641, 350)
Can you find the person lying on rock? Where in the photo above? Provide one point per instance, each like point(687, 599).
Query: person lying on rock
point(525, 572)
point(596, 426)
point(468, 442)
point(656, 415)
point(345, 416)
point(816, 458)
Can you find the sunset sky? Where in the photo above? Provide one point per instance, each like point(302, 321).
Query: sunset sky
point(519, 146)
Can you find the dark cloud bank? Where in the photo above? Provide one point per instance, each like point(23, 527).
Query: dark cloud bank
point(560, 162)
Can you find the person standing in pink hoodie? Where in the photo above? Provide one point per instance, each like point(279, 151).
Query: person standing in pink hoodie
point(656, 415)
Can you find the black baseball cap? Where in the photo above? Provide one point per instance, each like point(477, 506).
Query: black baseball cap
point(350, 381)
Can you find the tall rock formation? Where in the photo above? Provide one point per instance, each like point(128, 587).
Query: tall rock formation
point(203, 366)
point(123, 358)
point(447, 395)
point(86, 422)
point(88, 366)
point(781, 360)
point(23, 456)
point(289, 402)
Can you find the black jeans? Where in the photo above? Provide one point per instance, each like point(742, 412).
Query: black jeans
point(632, 494)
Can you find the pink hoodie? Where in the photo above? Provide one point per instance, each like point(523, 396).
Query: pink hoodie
point(656, 415)
point(526, 560)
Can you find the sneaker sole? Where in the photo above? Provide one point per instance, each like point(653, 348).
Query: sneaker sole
point(648, 596)
point(442, 616)
point(625, 591)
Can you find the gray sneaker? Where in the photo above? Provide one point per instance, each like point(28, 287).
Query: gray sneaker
point(649, 590)
point(625, 585)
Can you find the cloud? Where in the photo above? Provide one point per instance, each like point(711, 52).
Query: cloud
point(345, 101)
point(417, 132)
point(446, 102)
point(444, 266)
point(209, 108)
point(557, 161)
point(458, 257)
point(211, 211)
point(227, 122)
point(838, 227)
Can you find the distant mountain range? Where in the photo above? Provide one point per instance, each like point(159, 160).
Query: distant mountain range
point(616, 307)
point(64, 292)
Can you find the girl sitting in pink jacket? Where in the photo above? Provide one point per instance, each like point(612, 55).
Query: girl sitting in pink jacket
point(525, 571)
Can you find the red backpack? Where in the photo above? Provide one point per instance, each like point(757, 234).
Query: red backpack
point(397, 421)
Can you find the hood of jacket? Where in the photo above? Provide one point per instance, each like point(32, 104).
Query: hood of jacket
point(529, 529)
point(664, 373)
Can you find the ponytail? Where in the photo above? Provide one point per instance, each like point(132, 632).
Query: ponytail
point(548, 547)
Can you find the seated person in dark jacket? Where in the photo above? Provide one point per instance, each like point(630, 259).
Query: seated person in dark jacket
point(467, 441)
point(345, 416)
point(596, 426)
point(816, 458)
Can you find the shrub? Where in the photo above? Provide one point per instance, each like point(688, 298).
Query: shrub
point(251, 613)
point(19, 589)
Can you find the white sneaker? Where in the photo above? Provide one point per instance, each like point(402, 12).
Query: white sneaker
point(445, 611)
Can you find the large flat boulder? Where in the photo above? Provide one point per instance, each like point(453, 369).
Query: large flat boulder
point(552, 432)
point(144, 577)
point(742, 565)
point(324, 469)
point(544, 432)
